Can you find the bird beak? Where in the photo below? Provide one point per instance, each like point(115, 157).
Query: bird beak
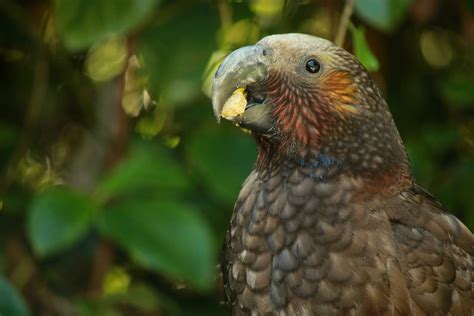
point(231, 97)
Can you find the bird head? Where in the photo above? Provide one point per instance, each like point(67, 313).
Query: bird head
point(301, 95)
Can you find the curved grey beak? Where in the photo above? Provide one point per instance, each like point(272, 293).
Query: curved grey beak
point(243, 67)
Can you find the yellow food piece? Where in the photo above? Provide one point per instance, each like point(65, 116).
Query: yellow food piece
point(235, 104)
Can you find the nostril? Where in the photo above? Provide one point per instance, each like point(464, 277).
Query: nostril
point(266, 51)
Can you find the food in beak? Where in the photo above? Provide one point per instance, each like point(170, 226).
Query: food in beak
point(235, 104)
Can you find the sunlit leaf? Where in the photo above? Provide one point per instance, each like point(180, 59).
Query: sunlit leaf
point(11, 303)
point(135, 97)
point(268, 11)
point(362, 50)
point(436, 48)
point(147, 169)
point(223, 157)
point(240, 33)
point(116, 281)
point(57, 219)
point(106, 59)
point(139, 296)
point(82, 22)
point(166, 236)
point(151, 123)
point(319, 24)
point(384, 15)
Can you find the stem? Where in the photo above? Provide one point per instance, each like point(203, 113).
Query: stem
point(225, 13)
point(113, 128)
point(33, 111)
point(343, 23)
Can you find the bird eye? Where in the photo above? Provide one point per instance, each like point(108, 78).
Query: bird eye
point(313, 66)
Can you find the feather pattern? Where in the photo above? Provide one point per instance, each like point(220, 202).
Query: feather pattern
point(303, 244)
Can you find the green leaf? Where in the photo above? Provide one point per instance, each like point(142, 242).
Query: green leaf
point(94, 308)
point(147, 169)
point(362, 50)
point(470, 5)
point(166, 236)
point(456, 89)
point(57, 219)
point(454, 190)
point(144, 297)
point(208, 76)
point(384, 15)
point(223, 158)
point(8, 135)
point(175, 53)
point(11, 303)
point(82, 22)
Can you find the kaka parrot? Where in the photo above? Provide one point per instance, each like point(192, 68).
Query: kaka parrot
point(330, 220)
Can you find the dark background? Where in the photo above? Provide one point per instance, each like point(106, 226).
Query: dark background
point(116, 182)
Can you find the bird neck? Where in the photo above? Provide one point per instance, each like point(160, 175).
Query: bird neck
point(389, 177)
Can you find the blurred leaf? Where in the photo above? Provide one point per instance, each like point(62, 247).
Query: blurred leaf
point(457, 89)
point(437, 48)
point(8, 135)
point(106, 59)
point(384, 15)
point(97, 309)
point(11, 303)
point(208, 76)
point(267, 7)
point(58, 218)
point(240, 33)
point(362, 50)
point(82, 22)
point(139, 297)
point(166, 236)
point(455, 191)
point(422, 166)
point(319, 24)
point(145, 298)
point(470, 5)
point(151, 123)
point(175, 53)
point(223, 157)
point(2, 261)
point(439, 140)
point(116, 281)
point(135, 97)
point(147, 168)
point(269, 12)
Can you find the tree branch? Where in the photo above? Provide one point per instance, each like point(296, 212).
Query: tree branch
point(343, 23)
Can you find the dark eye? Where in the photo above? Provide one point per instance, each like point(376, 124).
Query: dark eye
point(313, 66)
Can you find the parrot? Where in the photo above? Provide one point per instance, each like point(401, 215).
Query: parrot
point(330, 220)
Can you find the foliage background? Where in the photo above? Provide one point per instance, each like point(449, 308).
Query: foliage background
point(117, 184)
